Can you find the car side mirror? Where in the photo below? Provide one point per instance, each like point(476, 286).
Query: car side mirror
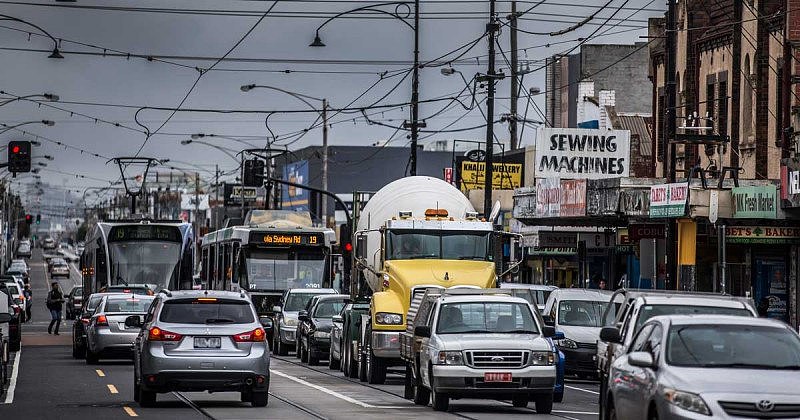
point(133, 321)
point(266, 322)
point(548, 320)
point(641, 359)
point(549, 331)
point(303, 316)
point(276, 308)
point(559, 335)
point(5, 317)
point(337, 318)
point(610, 335)
point(422, 331)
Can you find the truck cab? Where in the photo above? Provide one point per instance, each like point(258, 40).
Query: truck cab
point(478, 344)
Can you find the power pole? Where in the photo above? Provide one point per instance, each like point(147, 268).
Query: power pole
point(512, 123)
point(324, 198)
point(415, 94)
point(670, 57)
point(491, 28)
point(216, 197)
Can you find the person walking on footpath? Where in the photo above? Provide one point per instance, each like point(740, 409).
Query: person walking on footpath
point(55, 301)
point(28, 300)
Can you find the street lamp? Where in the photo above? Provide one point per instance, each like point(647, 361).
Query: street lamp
point(225, 150)
point(11, 127)
point(396, 13)
point(203, 135)
point(56, 53)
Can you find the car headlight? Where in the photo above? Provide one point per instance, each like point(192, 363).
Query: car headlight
point(687, 401)
point(542, 358)
point(322, 334)
point(450, 358)
point(567, 343)
point(386, 318)
point(289, 322)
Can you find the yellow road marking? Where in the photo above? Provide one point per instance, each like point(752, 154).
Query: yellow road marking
point(130, 411)
point(100, 373)
point(112, 389)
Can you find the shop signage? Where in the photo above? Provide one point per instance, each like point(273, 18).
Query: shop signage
point(548, 197)
point(602, 197)
point(582, 153)
point(762, 235)
point(505, 176)
point(598, 239)
point(790, 183)
point(634, 201)
point(448, 175)
point(755, 202)
point(234, 194)
point(549, 239)
point(554, 251)
point(646, 231)
point(573, 198)
point(669, 200)
point(476, 155)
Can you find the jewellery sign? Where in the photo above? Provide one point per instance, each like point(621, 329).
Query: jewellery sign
point(755, 202)
point(669, 200)
point(582, 153)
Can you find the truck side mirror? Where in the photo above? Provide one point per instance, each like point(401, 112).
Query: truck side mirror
point(361, 245)
point(549, 331)
point(548, 320)
point(422, 331)
point(303, 316)
point(610, 335)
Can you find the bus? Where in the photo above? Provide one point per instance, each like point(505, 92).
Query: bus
point(275, 250)
point(159, 254)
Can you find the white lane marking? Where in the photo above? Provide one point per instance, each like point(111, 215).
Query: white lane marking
point(334, 393)
point(581, 389)
point(13, 386)
point(588, 413)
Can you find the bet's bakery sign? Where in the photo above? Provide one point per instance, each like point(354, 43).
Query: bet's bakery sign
point(574, 153)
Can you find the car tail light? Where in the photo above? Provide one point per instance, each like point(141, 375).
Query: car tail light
point(157, 334)
point(85, 320)
point(101, 320)
point(250, 336)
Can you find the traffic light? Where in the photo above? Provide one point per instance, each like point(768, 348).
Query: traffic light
point(28, 219)
point(254, 173)
point(38, 219)
point(19, 156)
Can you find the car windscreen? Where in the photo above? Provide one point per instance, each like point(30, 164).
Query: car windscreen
point(298, 301)
point(93, 302)
point(206, 311)
point(127, 304)
point(580, 313)
point(485, 317)
point(77, 292)
point(733, 346)
point(648, 311)
point(12, 289)
point(328, 308)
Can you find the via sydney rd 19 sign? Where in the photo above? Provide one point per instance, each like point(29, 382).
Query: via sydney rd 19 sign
point(574, 153)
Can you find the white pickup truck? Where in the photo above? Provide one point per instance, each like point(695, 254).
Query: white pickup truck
point(639, 306)
point(469, 343)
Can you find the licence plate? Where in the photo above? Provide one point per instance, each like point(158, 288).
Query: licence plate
point(497, 377)
point(207, 342)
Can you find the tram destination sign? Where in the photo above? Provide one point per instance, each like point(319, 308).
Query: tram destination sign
point(286, 239)
point(144, 233)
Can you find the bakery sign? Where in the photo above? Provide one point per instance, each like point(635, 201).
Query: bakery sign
point(582, 153)
point(774, 235)
point(669, 200)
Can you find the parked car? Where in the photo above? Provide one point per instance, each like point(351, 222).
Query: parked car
point(577, 313)
point(13, 289)
point(200, 341)
point(314, 330)
point(481, 345)
point(707, 367)
point(641, 305)
point(106, 333)
point(21, 262)
point(285, 325)
point(6, 315)
point(24, 250)
point(535, 294)
point(136, 289)
point(14, 330)
point(21, 287)
point(59, 269)
point(74, 301)
point(79, 326)
point(18, 271)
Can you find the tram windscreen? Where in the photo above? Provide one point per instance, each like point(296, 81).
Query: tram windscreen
point(285, 269)
point(139, 255)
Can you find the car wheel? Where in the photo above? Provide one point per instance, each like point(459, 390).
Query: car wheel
point(422, 396)
point(303, 353)
point(91, 357)
point(312, 357)
point(351, 370)
point(520, 402)
point(146, 398)
point(76, 351)
point(439, 401)
point(333, 364)
point(137, 395)
point(558, 397)
point(544, 404)
point(612, 413)
point(281, 349)
point(247, 396)
point(260, 399)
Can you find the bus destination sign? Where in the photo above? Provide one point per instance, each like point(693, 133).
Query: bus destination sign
point(286, 239)
point(144, 233)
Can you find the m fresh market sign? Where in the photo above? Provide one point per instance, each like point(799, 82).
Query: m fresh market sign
point(755, 202)
point(669, 200)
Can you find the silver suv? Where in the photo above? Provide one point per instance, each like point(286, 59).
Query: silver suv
point(200, 341)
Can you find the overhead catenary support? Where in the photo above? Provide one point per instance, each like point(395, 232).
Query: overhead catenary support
point(672, 268)
point(491, 28)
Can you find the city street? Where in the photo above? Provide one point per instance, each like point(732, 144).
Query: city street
point(50, 384)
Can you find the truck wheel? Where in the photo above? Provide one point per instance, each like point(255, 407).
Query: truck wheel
point(544, 404)
point(422, 396)
point(440, 402)
point(362, 367)
point(408, 383)
point(376, 369)
point(352, 366)
point(520, 402)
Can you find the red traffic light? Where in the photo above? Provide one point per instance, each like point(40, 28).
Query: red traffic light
point(348, 247)
point(15, 149)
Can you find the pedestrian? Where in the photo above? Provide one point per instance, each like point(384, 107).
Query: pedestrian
point(55, 301)
point(28, 300)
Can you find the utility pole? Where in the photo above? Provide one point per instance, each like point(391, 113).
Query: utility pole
point(512, 123)
point(670, 57)
point(196, 203)
point(415, 94)
point(324, 198)
point(215, 211)
point(491, 28)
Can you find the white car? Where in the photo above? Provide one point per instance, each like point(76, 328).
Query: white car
point(536, 294)
point(17, 296)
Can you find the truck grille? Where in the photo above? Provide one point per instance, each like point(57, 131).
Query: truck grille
point(750, 410)
point(592, 346)
point(497, 359)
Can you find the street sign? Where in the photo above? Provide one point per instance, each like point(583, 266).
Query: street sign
point(476, 155)
point(233, 194)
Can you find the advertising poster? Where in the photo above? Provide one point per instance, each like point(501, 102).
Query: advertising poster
point(293, 198)
point(771, 288)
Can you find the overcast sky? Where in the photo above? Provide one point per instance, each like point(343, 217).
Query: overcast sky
point(279, 42)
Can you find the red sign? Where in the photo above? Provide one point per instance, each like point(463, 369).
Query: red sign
point(573, 198)
point(646, 231)
point(448, 175)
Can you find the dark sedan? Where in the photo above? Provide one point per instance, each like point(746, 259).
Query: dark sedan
point(74, 302)
point(314, 330)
